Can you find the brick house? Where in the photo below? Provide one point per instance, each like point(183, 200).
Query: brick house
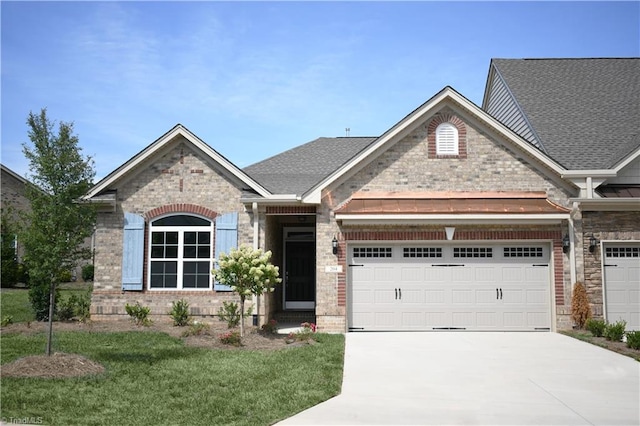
point(13, 201)
point(449, 220)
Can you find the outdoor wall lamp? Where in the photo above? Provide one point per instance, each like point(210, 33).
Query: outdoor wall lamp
point(566, 244)
point(593, 244)
point(334, 245)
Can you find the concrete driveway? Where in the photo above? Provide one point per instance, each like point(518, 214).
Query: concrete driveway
point(454, 378)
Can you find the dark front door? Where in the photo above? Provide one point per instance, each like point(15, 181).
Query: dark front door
point(300, 275)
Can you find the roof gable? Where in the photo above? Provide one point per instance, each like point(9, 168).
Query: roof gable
point(446, 97)
point(584, 113)
point(130, 167)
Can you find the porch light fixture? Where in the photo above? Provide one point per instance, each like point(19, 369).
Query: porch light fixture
point(566, 243)
point(593, 244)
point(334, 245)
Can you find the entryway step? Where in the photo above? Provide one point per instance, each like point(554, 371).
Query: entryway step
point(295, 317)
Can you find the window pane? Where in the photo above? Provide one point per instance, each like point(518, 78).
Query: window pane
point(171, 281)
point(171, 267)
point(190, 252)
point(189, 281)
point(190, 237)
point(172, 252)
point(157, 252)
point(172, 238)
point(203, 281)
point(190, 267)
point(157, 238)
point(203, 252)
point(204, 237)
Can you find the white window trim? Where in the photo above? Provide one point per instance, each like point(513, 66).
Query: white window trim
point(449, 148)
point(180, 259)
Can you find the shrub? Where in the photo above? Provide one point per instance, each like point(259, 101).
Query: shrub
point(230, 312)
point(231, 338)
point(87, 272)
point(67, 308)
point(39, 299)
point(65, 276)
point(271, 327)
point(615, 332)
point(180, 312)
point(139, 314)
point(633, 339)
point(6, 320)
point(596, 326)
point(196, 328)
point(580, 309)
point(83, 307)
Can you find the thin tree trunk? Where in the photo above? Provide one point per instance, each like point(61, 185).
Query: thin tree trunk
point(241, 316)
point(52, 300)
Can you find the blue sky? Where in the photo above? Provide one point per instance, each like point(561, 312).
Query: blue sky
point(253, 79)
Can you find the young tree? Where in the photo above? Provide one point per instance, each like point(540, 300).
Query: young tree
point(248, 272)
point(57, 225)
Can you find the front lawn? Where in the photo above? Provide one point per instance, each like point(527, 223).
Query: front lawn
point(152, 378)
point(14, 302)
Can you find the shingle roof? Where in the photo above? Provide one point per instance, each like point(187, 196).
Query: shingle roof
point(299, 169)
point(585, 112)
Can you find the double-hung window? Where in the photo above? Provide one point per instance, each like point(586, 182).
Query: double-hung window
point(180, 253)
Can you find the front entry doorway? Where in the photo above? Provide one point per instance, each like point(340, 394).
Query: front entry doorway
point(299, 268)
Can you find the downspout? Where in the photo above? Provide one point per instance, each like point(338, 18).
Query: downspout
point(256, 246)
point(572, 252)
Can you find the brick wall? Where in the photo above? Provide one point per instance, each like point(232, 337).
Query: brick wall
point(181, 179)
point(407, 166)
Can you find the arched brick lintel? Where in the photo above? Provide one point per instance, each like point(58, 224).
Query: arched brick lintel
point(462, 135)
point(180, 208)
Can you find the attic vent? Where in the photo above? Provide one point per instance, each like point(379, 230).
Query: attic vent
point(446, 139)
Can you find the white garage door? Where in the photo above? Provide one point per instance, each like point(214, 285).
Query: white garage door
point(622, 283)
point(462, 286)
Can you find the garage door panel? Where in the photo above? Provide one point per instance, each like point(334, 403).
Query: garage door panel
point(536, 274)
point(538, 319)
point(434, 297)
point(463, 319)
point(485, 274)
point(385, 319)
point(536, 297)
point(514, 319)
point(485, 320)
point(462, 297)
point(414, 296)
point(411, 274)
point(412, 319)
point(513, 274)
point(384, 296)
point(486, 296)
point(462, 274)
point(362, 297)
point(434, 274)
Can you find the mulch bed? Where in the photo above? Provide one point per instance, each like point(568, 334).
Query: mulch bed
point(58, 365)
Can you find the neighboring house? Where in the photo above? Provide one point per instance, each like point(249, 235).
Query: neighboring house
point(449, 220)
point(585, 114)
point(13, 201)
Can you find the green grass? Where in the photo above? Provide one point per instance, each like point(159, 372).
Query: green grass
point(152, 378)
point(15, 302)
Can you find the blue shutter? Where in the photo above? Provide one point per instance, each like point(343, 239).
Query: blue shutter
point(132, 252)
point(226, 239)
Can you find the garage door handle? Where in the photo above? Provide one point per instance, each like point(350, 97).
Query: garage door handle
point(540, 264)
point(400, 293)
point(396, 293)
point(352, 265)
point(610, 265)
point(500, 294)
point(497, 294)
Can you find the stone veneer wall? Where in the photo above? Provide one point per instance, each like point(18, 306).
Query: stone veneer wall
point(407, 166)
point(604, 226)
point(180, 176)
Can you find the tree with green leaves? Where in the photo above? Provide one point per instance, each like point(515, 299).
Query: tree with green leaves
point(248, 272)
point(58, 225)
